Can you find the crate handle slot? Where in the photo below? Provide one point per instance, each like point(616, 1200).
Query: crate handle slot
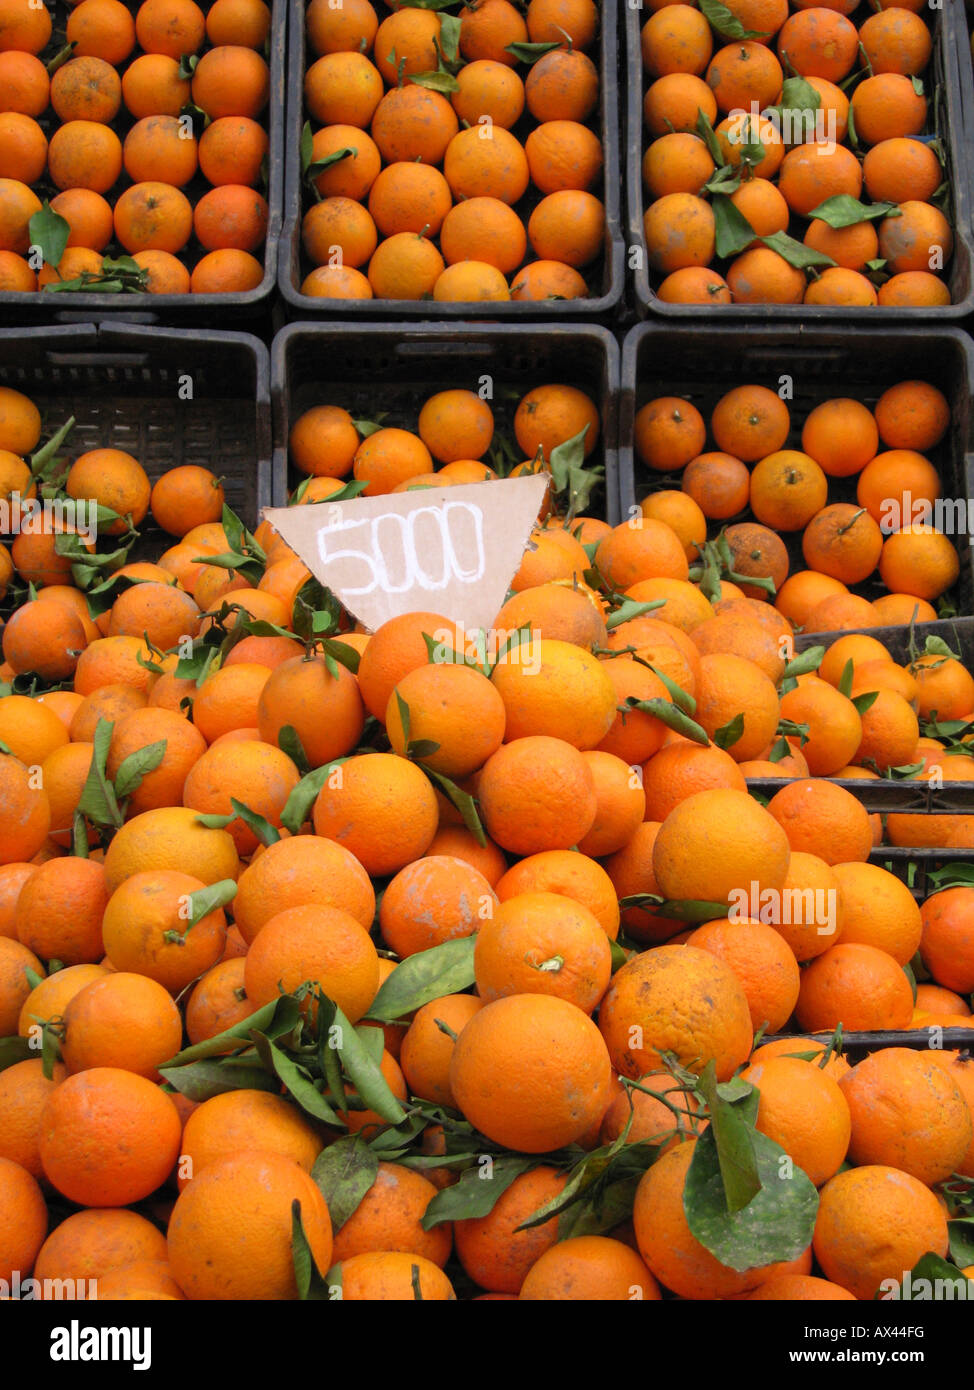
point(97, 359)
point(447, 349)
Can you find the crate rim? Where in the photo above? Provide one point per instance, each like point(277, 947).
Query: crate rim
point(959, 94)
point(599, 306)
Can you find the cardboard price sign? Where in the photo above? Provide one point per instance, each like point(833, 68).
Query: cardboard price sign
point(451, 550)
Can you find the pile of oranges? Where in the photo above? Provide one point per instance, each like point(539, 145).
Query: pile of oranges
point(795, 151)
point(436, 171)
point(549, 857)
point(143, 133)
point(881, 523)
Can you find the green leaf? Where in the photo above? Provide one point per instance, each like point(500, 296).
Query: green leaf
point(202, 1080)
point(680, 697)
point(726, 179)
point(296, 1080)
point(50, 1052)
point(298, 806)
point(478, 1191)
point(728, 734)
point(272, 1020)
point(865, 702)
point(727, 25)
point(777, 1223)
point(289, 742)
point(846, 678)
point(796, 253)
point(43, 461)
point(927, 1279)
point(367, 427)
point(462, 800)
point(706, 132)
point(318, 166)
point(137, 765)
point(449, 40)
point(733, 1144)
point(97, 802)
point(795, 114)
point(846, 211)
point(671, 716)
point(49, 231)
point(187, 66)
point(961, 1234)
point(733, 231)
point(364, 1074)
point(206, 900)
point(404, 716)
point(344, 1173)
point(631, 608)
point(530, 52)
point(438, 81)
point(805, 662)
point(305, 145)
point(14, 1050)
point(312, 1285)
point(423, 977)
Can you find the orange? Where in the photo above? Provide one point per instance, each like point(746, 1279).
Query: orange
point(918, 560)
point(744, 72)
point(386, 1276)
point(241, 1121)
point(396, 648)
point(230, 1230)
point(673, 101)
point(907, 1113)
point(666, 1243)
point(874, 1223)
point(944, 686)
point(413, 123)
point(101, 29)
point(900, 169)
point(489, 88)
point(388, 1219)
point(170, 838)
point(822, 819)
point(313, 942)
point(24, 28)
point(694, 285)
point(244, 22)
point(152, 86)
point(662, 1113)
point(567, 874)
point(434, 899)
point(554, 689)
point(896, 42)
point(912, 415)
point(498, 1250)
point(58, 913)
point(676, 39)
point(947, 944)
point(108, 1137)
point(231, 80)
point(858, 986)
point(550, 21)
point(456, 425)
point(811, 174)
point(153, 216)
point(679, 770)
point(86, 89)
point(676, 999)
point(896, 486)
point(804, 1111)
point(731, 685)
point(349, 29)
point(427, 1050)
point(121, 1019)
point(23, 1220)
point(253, 772)
point(537, 793)
point(920, 239)
point(143, 916)
point(301, 871)
point(541, 943)
point(590, 1268)
point(568, 226)
point(887, 107)
point(531, 1072)
point(750, 422)
point(90, 1245)
point(84, 154)
point(834, 725)
point(679, 229)
point(809, 917)
point(297, 693)
point(818, 43)
point(763, 963)
point(561, 85)
point(24, 1090)
point(717, 841)
point(761, 276)
point(381, 808)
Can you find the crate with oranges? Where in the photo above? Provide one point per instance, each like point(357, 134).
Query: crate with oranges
point(453, 159)
point(821, 471)
point(785, 154)
point(139, 154)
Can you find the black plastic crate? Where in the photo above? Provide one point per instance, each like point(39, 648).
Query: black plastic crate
point(204, 309)
point(167, 396)
point(950, 69)
point(292, 266)
point(701, 364)
point(395, 367)
point(856, 1046)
